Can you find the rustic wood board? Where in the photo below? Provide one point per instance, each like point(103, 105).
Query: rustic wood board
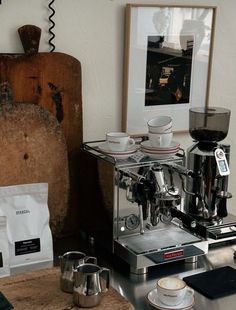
point(53, 81)
point(33, 150)
point(40, 290)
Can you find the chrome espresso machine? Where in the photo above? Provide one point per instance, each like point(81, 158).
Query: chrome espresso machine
point(160, 210)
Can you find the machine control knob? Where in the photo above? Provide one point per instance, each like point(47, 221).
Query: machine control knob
point(193, 224)
point(219, 153)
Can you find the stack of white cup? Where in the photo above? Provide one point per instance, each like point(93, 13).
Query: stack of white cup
point(160, 131)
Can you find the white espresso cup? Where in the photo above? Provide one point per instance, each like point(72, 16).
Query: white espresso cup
point(119, 141)
point(160, 139)
point(172, 290)
point(160, 124)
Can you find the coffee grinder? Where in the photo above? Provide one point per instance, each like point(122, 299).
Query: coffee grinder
point(207, 190)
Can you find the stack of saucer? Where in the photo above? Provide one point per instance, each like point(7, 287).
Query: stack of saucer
point(160, 144)
point(160, 152)
point(103, 147)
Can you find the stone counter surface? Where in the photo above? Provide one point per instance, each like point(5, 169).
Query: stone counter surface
point(136, 287)
point(39, 290)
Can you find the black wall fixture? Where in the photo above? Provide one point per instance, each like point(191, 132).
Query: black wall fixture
point(52, 26)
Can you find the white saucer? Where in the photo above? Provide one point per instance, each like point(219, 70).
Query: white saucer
point(187, 303)
point(103, 147)
point(160, 155)
point(147, 146)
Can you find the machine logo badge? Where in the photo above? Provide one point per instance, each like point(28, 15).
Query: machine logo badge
point(174, 254)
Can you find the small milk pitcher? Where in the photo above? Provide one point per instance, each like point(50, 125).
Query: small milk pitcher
point(68, 262)
point(88, 287)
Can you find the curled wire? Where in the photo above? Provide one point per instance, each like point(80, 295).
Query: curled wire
point(52, 26)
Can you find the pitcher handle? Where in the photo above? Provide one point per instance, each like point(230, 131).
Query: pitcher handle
point(90, 259)
point(106, 273)
point(62, 263)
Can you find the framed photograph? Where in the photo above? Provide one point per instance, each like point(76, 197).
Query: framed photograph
point(168, 51)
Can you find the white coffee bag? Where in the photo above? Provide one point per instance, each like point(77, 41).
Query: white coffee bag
point(29, 235)
point(4, 248)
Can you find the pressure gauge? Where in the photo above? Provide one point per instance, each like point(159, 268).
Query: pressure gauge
point(132, 221)
point(166, 218)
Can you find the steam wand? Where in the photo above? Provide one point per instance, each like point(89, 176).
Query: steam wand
point(182, 171)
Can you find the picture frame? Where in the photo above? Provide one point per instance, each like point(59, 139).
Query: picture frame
point(168, 56)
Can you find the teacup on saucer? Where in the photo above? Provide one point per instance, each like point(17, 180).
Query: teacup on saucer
point(187, 302)
point(171, 290)
point(119, 141)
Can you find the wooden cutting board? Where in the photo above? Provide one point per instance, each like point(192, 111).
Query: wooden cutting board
point(40, 290)
point(52, 81)
point(33, 150)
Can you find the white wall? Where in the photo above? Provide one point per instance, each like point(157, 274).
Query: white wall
point(93, 32)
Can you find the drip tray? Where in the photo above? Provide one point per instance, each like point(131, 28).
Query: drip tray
point(163, 238)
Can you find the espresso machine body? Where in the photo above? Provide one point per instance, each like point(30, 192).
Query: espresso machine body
point(145, 231)
point(142, 200)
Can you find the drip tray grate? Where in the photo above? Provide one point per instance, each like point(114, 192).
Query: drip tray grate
point(168, 237)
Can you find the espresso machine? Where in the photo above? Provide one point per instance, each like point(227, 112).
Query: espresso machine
point(142, 205)
point(160, 210)
point(206, 193)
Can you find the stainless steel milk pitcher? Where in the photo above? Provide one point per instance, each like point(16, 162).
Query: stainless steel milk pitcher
point(88, 288)
point(68, 262)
